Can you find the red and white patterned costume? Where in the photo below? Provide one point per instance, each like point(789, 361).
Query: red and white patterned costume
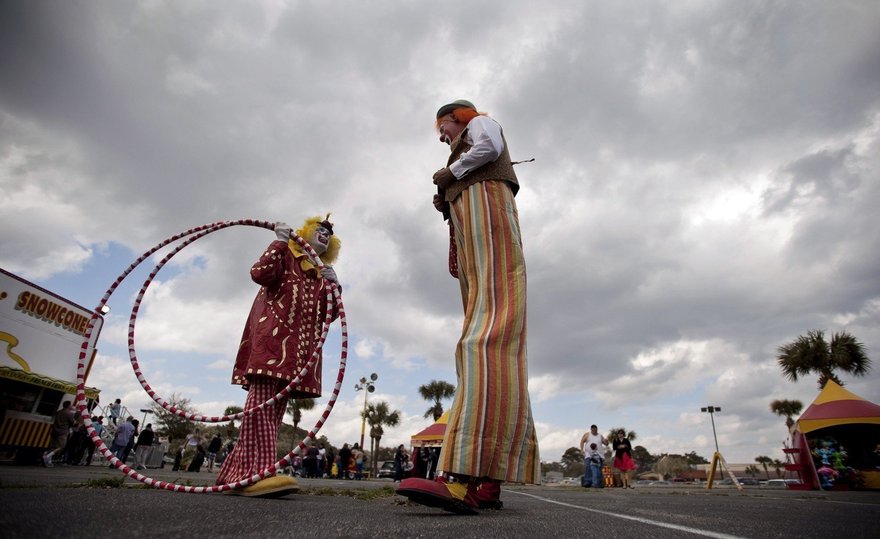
point(282, 330)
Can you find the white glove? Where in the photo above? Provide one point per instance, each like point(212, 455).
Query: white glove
point(329, 273)
point(282, 231)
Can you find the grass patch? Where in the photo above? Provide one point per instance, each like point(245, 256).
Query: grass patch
point(105, 482)
point(358, 494)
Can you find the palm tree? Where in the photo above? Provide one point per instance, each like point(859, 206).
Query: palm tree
point(812, 354)
point(778, 465)
point(630, 435)
point(436, 390)
point(787, 409)
point(752, 470)
point(764, 461)
point(295, 408)
point(378, 415)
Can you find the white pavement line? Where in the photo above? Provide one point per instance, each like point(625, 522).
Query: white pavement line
point(687, 529)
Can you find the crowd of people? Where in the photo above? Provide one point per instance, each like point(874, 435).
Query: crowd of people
point(319, 461)
point(71, 445)
point(69, 440)
point(197, 451)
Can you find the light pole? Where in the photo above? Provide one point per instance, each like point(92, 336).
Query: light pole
point(716, 458)
point(711, 410)
point(367, 386)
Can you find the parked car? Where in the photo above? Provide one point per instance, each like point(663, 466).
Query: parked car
point(744, 481)
point(780, 483)
point(386, 469)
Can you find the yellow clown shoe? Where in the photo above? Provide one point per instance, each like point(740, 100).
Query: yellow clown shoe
point(271, 487)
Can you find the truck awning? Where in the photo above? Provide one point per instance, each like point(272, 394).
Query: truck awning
point(45, 381)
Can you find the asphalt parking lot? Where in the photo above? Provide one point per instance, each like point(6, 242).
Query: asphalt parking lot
point(85, 501)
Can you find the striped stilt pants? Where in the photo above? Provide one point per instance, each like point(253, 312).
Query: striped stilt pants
point(491, 432)
point(255, 449)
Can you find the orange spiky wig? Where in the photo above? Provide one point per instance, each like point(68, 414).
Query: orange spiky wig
point(462, 115)
point(308, 229)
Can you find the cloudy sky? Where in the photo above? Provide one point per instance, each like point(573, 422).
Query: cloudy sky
point(704, 190)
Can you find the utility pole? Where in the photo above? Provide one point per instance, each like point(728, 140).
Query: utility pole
point(144, 421)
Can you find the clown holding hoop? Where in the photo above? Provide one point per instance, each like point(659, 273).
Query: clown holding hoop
point(279, 338)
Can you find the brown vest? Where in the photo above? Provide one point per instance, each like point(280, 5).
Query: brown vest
point(500, 170)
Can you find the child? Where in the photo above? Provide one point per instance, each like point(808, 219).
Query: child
point(594, 461)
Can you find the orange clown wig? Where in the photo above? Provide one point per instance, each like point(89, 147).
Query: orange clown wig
point(461, 115)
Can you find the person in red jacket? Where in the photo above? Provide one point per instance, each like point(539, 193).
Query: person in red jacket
point(279, 338)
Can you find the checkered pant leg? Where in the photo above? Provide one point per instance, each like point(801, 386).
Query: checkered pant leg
point(256, 446)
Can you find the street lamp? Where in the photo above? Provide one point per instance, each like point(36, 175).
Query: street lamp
point(145, 411)
point(367, 386)
point(711, 410)
point(717, 458)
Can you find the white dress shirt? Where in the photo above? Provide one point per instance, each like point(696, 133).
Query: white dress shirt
point(484, 136)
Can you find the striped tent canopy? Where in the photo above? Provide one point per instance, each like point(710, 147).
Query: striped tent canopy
point(433, 435)
point(837, 406)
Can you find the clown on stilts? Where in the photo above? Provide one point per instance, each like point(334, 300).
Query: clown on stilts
point(279, 339)
point(490, 437)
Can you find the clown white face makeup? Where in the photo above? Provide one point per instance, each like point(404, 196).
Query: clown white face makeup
point(320, 240)
point(449, 129)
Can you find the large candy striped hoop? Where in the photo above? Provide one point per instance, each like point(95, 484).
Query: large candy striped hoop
point(191, 235)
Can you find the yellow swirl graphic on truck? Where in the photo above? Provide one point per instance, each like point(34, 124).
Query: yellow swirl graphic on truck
point(12, 342)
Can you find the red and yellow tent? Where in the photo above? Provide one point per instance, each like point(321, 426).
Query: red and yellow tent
point(433, 435)
point(837, 406)
point(848, 419)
